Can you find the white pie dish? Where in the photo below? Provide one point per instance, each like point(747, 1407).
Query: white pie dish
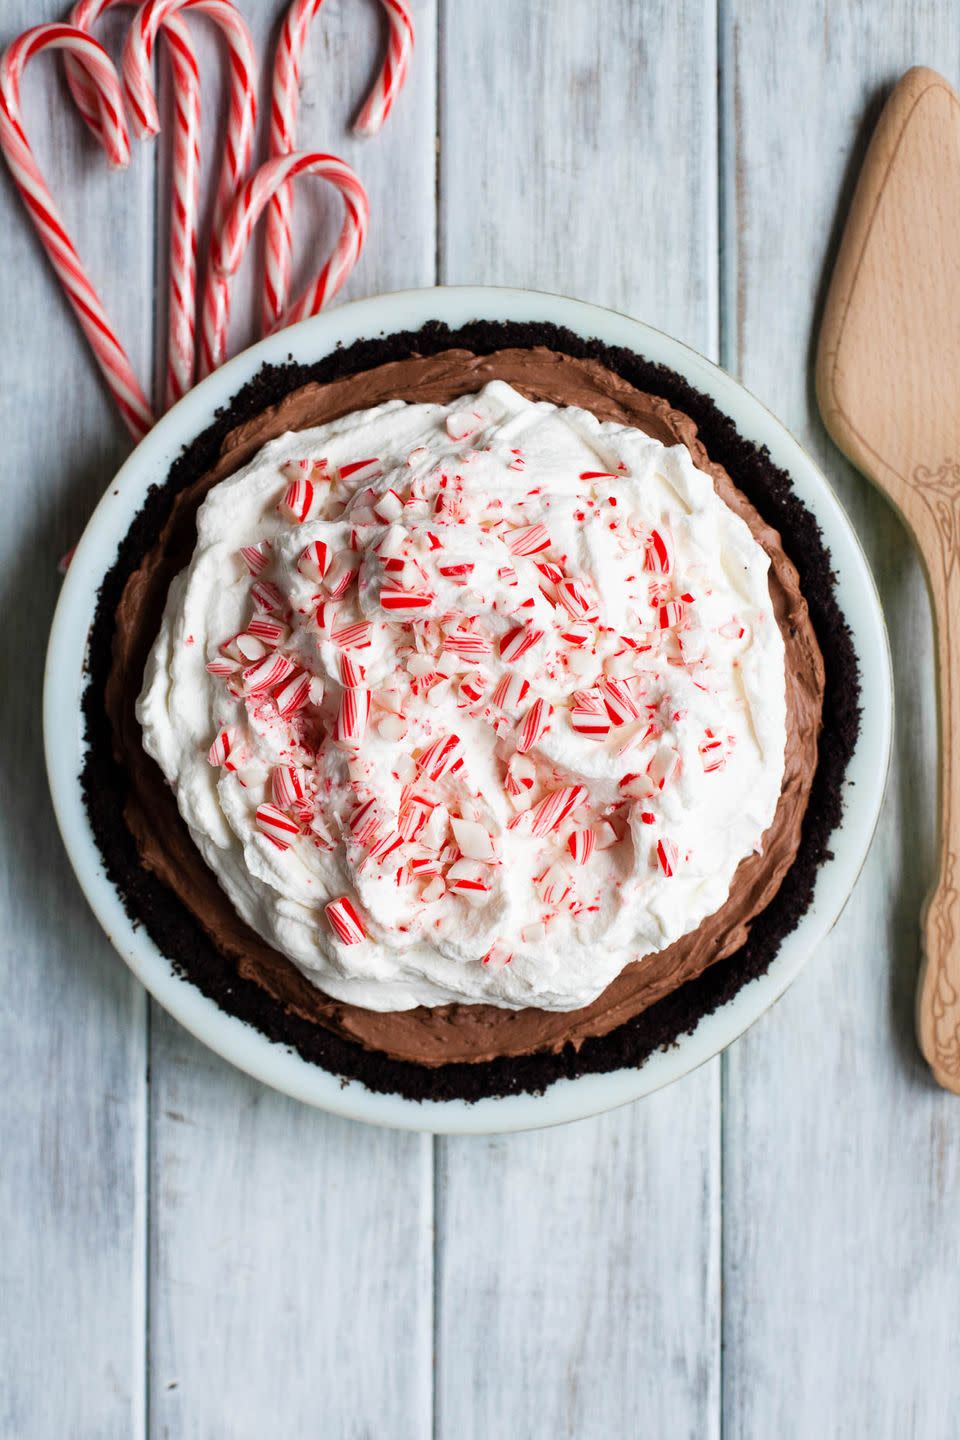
point(247, 1047)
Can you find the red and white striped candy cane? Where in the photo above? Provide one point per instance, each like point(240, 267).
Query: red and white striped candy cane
point(389, 82)
point(87, 306)
point(182, 302)
point(231, 240)
point(241, 124)
point(283, 130)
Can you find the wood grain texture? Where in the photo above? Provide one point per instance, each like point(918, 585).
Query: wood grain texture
point(888, 376)
point(577, 1270)
point(841, 1160)
point(580, 1282)
point(291, 1253)
point(291, 1263)
point(72, 1050)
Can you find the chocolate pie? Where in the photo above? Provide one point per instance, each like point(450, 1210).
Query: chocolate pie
point(469, 709)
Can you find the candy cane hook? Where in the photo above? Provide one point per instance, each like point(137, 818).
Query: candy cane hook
point(283, 126)
point(241, 125)
point(231, 242)
point(389, 82)
point(184, 208)
point(87, 306)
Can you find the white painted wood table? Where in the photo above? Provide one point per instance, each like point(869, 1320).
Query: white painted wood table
point(772, 1246)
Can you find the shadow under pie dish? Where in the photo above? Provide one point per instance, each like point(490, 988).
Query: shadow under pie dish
point(475, 1047)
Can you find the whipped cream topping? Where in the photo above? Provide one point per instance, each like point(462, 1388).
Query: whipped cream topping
point(470, 702)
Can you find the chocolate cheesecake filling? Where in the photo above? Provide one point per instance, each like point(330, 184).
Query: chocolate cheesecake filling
point(459, 1033)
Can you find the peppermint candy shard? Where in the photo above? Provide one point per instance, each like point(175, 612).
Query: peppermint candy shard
point(406, 600)
point(341, 575)
point(656, 555)
point(388, 506)
point(292, 696)
point(518, 641)
point(353, 636)
point(528, 540)
point(413, 816)
point(551, 812)
point(276, 826)
point(471, 689)
point(594, 724)
point(425, 867)
point(297, 501)
point(535, 723)
point(293, 470)
point(712, 753)
point(510, 692)
point(638, 787)
point(554, 885)
point(361, 471)
point(521, 775)
point(434, 890)
point(249, 647)
point(392, 727)
point(344, 921)
point(352, 716)
point(578, 604)
point(549, 571)
point(581, 844)
point(267, 674)
point(667, 856)
point(266, 596)
point(286, 786)
point(474, 841)
point(663, 766)
point(462, 424)
point(365, 822)
point(498, 956)
point(267, 629)
point(314, 561)
point(469, 878)
point(620, 704)
point(669, 614)
point(352, 673)
point(442, 757)
point(456, 570)
point(468, 644)
point(220, 751)
point(256, 557)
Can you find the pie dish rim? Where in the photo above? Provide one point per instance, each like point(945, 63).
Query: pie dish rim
point(252, 1051)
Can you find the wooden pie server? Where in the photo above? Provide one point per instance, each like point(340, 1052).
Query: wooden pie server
point(888, 383)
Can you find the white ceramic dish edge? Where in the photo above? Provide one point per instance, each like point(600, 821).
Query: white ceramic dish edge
point(65, 681)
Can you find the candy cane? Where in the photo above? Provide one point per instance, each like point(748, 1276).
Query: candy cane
point(389, 82)
point(283, 127)
point(87, 306)
point(233, 236)
point(181, 333)
point(238, 148)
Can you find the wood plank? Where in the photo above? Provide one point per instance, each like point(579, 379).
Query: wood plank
point(577, 1269)
point(841, 1159)
point(72, 1032)
point(292, 1262)
point(291, 1281)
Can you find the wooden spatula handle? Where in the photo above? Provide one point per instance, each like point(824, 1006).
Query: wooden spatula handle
point(938, 995)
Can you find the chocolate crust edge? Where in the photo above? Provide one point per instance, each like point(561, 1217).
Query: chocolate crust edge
point(178, 934)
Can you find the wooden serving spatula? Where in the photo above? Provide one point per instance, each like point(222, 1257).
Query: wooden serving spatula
point(888, 383)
